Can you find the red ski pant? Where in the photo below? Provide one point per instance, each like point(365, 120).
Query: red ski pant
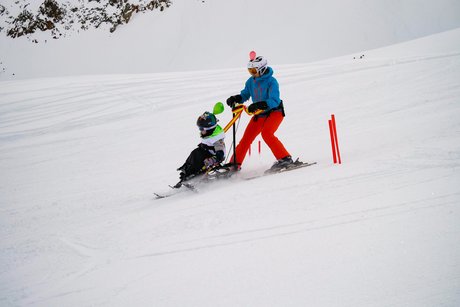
point(267, 126)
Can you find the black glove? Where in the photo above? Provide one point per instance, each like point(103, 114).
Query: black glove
point(261, 105)
point(232, 100)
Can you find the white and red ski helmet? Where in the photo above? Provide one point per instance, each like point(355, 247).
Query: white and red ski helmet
point(260, 63)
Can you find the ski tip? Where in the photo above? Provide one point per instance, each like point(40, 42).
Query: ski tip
point(298, 162)
point(158, 196)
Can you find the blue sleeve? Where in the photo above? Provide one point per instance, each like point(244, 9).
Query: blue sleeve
point(273, 100)
point(246, 92)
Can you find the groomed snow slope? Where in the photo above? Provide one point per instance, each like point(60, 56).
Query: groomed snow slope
point(80, 158)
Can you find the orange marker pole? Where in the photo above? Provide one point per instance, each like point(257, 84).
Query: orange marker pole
point(336, 139)
point(331, 131)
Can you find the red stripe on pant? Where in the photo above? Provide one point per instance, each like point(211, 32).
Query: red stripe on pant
point(266, 126)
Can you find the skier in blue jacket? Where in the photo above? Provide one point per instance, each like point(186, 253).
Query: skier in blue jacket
point(263, 88)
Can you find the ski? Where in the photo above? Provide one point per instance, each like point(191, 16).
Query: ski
point(296, 165)
point(167, 194)
point(176, 189)
point(160, 196)
point(213, 175)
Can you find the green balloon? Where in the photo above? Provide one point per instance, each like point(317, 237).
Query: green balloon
point(218, 108)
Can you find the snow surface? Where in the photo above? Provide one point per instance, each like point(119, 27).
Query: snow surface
point(80, 158)
point(216, 34)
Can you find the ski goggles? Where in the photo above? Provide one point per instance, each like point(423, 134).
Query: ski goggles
point(207, 128)
point(252, 71)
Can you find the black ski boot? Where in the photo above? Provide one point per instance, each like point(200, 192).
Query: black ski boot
point(281, 164)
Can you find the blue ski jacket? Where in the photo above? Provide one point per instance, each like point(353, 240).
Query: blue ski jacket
point(263, 88)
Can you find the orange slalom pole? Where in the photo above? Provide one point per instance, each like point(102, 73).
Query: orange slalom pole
point(336, 139)
point(331, 131)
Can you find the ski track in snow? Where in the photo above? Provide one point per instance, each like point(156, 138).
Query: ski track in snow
point(80, 158)
point(312, 225)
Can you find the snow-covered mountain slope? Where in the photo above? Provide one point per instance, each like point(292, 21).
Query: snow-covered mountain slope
point(80, 158)
point(217, 34)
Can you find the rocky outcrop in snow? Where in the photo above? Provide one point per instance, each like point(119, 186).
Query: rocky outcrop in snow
point(61, 18)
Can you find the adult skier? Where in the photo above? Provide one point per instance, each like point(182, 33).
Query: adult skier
point(209, 153)
point(263, 88)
